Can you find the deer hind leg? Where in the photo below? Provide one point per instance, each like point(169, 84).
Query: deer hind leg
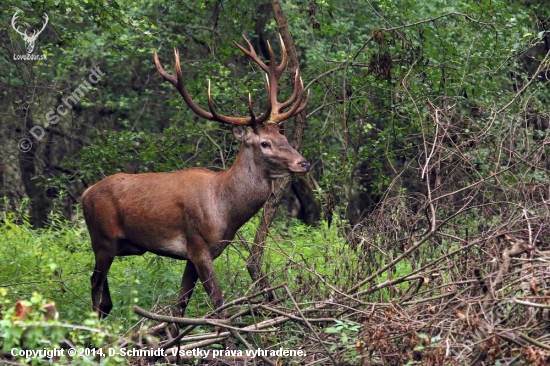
point(101, 298)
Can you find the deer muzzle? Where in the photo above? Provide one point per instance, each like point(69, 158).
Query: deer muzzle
point(300, 167)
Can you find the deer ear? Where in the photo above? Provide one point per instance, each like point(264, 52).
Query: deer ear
point(239, 132)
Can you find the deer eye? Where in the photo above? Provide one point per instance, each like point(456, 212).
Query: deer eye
point(264, 144)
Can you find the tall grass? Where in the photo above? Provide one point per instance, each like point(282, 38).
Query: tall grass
point(57, 262)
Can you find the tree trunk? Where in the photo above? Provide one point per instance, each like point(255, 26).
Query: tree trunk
point(310, 208)
point(35, 192)
point(254, 261)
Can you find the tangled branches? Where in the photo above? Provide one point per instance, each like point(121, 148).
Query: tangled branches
point(452, 270)
point(472, 245)
point(453, 274)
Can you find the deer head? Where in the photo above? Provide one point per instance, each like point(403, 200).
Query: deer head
point(271, 147)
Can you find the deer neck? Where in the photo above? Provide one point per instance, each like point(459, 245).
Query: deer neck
point(243, 188)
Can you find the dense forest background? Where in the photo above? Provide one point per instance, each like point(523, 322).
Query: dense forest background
point(426, 207)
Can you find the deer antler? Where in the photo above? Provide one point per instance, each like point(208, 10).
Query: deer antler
point(273, 71)
point(177, 81)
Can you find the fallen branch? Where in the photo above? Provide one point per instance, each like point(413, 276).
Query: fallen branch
point(518, 248)
point(532, 304)
point(534, 341)
point(186, 321)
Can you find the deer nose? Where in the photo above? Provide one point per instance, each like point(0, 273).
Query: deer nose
point(305, 165)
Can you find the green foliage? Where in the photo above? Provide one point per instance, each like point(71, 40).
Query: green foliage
point(377, 72)
point(12, 334)
point(27, 334)
point(133, 121)
point(347, 334)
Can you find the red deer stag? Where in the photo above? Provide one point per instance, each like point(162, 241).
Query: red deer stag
point(193, 214)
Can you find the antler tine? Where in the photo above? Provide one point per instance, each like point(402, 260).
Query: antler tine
point(279, 117)
point(274, 74)
point(181, 88)
point(160, 69)
point(304, 104)
point(177, 81)
point(297, 81)
point(226, 119)
point(272, 65)
point(297, 94)
point(259, 120)
point(251, 110)
point(252, 54)
point(284, 59)
point(269, 108)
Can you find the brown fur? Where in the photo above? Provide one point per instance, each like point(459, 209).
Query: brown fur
point(191, 214)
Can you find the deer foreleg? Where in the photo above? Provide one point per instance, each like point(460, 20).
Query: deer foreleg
point(205, 270)
point(188, 280)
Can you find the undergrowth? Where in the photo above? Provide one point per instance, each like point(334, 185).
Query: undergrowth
point(57, 262)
